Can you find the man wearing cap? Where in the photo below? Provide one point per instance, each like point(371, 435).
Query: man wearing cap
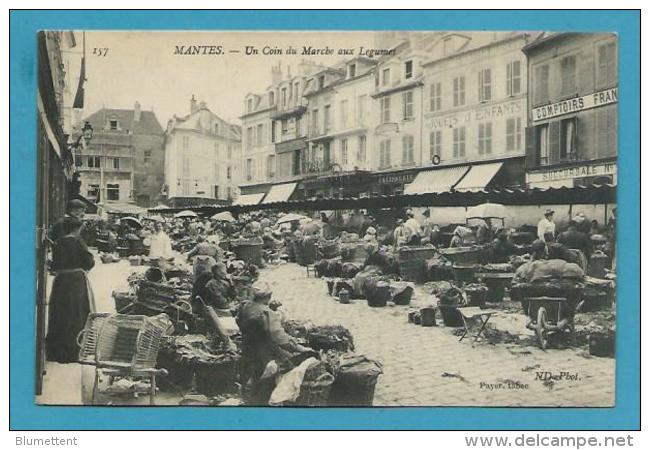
point(76, 209)
point(546, 227)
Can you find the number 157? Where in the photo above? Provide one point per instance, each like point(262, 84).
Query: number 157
point(100, 51)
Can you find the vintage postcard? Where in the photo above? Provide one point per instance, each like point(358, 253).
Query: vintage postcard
point(319, 218)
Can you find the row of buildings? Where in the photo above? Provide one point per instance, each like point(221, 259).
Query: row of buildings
point(444, 111)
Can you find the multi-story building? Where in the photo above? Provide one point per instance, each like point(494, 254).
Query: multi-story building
point(573, 97)
point(473, 115)
point(202, 158)
point(123, 164)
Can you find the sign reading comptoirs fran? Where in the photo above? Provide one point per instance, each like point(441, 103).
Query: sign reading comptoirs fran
point(576, 104)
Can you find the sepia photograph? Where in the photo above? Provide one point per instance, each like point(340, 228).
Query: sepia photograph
point(326, 218)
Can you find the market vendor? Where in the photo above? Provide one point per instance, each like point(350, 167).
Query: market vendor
point(400, 235)
point(575, 239)
point(263, 340)
point(204, 247)
point(160, 246)
point(503, 247)
point(215, 288)
point(546, 227)
point(76, 209)
point(414, 229)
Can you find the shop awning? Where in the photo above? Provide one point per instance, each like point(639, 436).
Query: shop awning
point(248, 199)
point(280, 193)
point(434, 181)
point(123, 208)
point(479, 177)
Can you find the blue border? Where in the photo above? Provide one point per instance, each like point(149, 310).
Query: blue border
point(24, 414)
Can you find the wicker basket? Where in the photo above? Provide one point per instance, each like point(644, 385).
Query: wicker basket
point(412, 262)
point(250, 251)
point(464, 256)
point(89, 336)
point(355, 382)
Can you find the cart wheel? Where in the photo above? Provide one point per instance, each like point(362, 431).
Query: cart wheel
point(542, 333)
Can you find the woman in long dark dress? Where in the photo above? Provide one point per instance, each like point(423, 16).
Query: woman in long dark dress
point(71, 299)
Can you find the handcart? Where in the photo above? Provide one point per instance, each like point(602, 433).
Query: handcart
point(550, 306)
point(122, 346)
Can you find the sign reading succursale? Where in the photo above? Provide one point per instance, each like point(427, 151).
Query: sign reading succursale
point(573, 105)
point(575, 171)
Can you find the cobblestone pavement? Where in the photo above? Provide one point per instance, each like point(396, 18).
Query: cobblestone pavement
point(428, 366)
point(422, 366)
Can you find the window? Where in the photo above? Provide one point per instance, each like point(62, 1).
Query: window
point(229, 173)
point(78, 160)
point(513, 78)
point(568, 139)
point(568, 75)
point(273, 125)
point(93, 191)
point(407, 105)
point(283, 96)
point(361, 153)
point(459, 91)
point(315, 126)
point(352, 70)
point(116, 163)
point(270, 166)
point(541, 83)
point(321, 82)
point(435, 99)
point(186, 143)
point(435, 144)
point(112, 191)
point(344, 113)
point(296, 92)
point(484, 85)
point(385, 109)
point(260, 135)
point(249, 105)
point(606, 119)
point(186, 166)
point(216, 128)
point(408, 69)
point(186, 188)
point(459, 142)
point(230, 152)
point(385, 77)
point(228, 192)
point(361, 110)
point(147, 156)
point(327, 118)
point(513, 134)
point(249, 169)
point(249, 138)
point(215, 171)
point(384, 153)
point(484, 138)
point(112, 124)
point(94, 161)
point(541, 144)
point(216, 150)
point(271, 98)
point(344, 151)
point(407, 150)
point(607, 65)
point(216, 191)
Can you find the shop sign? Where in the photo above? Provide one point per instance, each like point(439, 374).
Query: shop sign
point(508, 109)
point(397, 178)
point(567, 173)
point(573, 105)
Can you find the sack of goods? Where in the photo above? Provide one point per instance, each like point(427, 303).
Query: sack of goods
point(355, 381)
point(552, 269)
point(321, 337)
point(328, 268)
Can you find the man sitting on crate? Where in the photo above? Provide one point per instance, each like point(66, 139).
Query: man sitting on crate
point(265, 343)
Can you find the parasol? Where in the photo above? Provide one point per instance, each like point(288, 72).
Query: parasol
point(155, 218)
point(186, 213)
point(132, 221)
point(159, 208)
point(224, 216)
point(291, 218)
point(487, 211)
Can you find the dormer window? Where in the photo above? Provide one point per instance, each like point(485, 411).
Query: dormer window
point(447, 46)
point(385, 77)
point(250, 105)
point(321, 82)
point(271, 98)
point(352, 70)
point(408, 69)
point(113, 124)
point(216, 128)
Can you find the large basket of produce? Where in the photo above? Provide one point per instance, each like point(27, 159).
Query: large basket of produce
point(328, 249)
point(476, 294)
point(377, 291)
point(449, 301)
point(569, 289)
point(188, 358)
point(402, 292)
point(355, 381)
point(412, 262)
point(464, 255)
point(315, 392)
point(330, 337)
point(249, 250)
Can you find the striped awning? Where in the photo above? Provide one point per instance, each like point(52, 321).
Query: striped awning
point(280, 193)
point(435, 181)
point(479, 177)
point(249, 199)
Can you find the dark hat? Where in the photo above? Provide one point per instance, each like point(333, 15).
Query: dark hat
point(76, 204)
point(549, 211)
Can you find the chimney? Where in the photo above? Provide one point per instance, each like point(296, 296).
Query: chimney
point(193, 107)
point(137, 112)
point(276, 74)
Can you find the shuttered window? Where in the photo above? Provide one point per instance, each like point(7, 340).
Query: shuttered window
point(484, 138)
point(435, 144)
point(484, 85)
point(607, 65)
point(541, 84)
point(568, 75)
point(459, 142)
point(459, 91)
point(513, 78)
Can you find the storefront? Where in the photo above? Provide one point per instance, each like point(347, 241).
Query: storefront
point(570, 175)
